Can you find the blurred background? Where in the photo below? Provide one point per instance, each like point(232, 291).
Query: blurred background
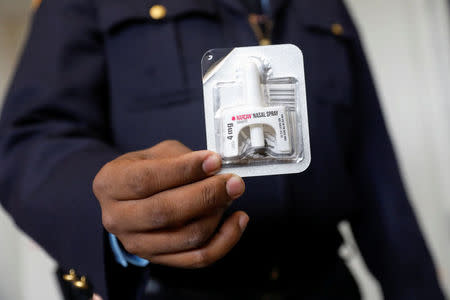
point(408, 46)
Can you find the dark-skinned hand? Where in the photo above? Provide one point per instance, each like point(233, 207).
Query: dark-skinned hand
point(165, 204)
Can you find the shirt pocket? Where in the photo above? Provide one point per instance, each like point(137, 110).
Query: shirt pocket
point(143, 56)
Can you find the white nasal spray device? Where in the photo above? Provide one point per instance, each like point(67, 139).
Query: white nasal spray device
point(256, 118)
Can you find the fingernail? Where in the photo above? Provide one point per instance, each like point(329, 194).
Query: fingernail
point(243, 221)
point(235, 186)
point(212, 164)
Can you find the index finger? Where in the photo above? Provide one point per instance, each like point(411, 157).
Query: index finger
point(143, 178)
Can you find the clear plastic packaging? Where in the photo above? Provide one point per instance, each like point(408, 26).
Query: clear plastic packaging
point(255, 109)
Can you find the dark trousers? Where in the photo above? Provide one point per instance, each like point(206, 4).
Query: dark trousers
point(337, 284)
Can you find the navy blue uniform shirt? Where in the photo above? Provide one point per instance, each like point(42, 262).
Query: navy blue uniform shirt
point(99, 78)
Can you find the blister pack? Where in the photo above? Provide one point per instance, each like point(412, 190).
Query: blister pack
point(255, 109)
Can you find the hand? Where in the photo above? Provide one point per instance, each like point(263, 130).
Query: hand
point(96, 297)
point(165, 204)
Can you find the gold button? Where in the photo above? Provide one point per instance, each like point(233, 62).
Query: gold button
point(35, 4)
point(337, 29)
point(81, 284)
point(72, 276)
point(158, 12)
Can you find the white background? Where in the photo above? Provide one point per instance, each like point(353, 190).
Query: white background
point(407, 42)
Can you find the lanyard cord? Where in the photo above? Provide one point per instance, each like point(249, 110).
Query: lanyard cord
point(262, 25)
point(265, 6)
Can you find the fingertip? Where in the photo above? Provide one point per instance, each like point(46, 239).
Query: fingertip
point(212, 163)
point(235, 187)
point(243, 221)
point(96, 297)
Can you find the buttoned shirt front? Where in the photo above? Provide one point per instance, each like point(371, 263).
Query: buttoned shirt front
point(101, 78)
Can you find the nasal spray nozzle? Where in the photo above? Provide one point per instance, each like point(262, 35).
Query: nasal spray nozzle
point(254, 98)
